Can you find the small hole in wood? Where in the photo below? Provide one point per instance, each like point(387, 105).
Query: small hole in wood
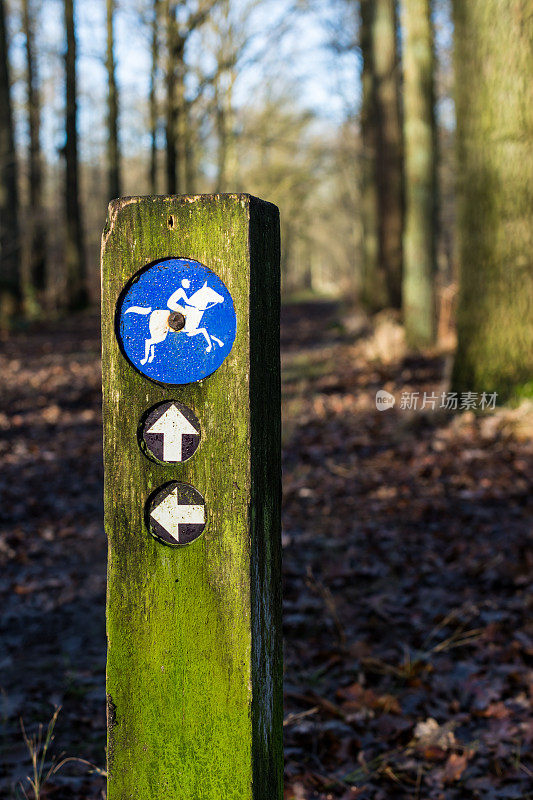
point(171, 222)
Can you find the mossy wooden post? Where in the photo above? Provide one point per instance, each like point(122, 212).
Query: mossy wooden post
point(194, 676)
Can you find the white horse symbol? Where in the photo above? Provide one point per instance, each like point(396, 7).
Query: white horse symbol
point(197, 304)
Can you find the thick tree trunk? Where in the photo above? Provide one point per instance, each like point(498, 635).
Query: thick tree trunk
point(36, 221)
point(153, 99)
point(10, 288)
point(420, 174)
point(493, 67)
point(77, 296)
point(113, 147)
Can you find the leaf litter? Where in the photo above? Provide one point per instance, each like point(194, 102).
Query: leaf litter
point(407, 565)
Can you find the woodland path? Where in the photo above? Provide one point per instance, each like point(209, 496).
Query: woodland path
point(407, 552)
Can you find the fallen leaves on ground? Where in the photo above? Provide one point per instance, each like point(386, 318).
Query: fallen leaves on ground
point(407, 562)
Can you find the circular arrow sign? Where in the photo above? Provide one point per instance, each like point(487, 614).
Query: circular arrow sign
point(175, 321)
point(170, 433)
point(176, 514)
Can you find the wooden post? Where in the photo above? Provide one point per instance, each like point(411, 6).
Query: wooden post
point(194, 672)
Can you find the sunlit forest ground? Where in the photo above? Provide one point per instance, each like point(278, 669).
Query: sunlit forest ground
point(407, 617)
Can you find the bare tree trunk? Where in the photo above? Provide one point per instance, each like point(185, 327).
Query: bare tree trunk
point(419, 312)
point(493, 66)
point(171, 110)
point(222, 139)
point(36, 222)
point(190, 150)
point(374, 286)
point(228, 48)
point(153, 99)
point(181, 117)
point(10, 287)
point(77, 296)
point(226, 167)
point(177, 133)
point(113, 147)
point(388, 145)
point(179, 144)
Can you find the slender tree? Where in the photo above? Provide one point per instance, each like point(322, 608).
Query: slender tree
point(382, 156)
point(179, 139)
point(181, 113)
point(494, 106)
point(113, 146)
point(222, 138)
point(229, 47)
point(419, 238)
point(190, 140)
point(152, 100)
point(10, 288)
point(36, 217)
point(77, 296)
point(374, 288)
point(388, 145)
point(174, 56)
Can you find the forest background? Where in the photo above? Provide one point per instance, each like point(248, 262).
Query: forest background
point(262, 97)
point(395, 138)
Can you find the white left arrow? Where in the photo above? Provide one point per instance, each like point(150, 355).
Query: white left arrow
point(173, 425)
point(170, 514)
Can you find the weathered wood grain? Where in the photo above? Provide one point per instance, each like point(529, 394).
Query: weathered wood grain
point(194, 675)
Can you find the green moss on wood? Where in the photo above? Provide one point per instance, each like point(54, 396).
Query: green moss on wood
point(194, 656)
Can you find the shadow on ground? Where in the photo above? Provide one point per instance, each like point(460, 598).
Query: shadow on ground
point(407, 619)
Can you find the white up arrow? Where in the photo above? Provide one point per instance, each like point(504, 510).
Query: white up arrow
point(173, 425)
point(170, 515)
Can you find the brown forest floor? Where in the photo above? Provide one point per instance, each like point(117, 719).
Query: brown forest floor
point(407, 615)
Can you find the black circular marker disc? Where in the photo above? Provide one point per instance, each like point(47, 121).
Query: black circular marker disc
point(176, 514)
point(170, 432)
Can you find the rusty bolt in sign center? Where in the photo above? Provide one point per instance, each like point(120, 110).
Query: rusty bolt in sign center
point(176, 321)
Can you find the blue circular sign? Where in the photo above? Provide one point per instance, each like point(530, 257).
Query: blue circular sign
point(176, 321)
